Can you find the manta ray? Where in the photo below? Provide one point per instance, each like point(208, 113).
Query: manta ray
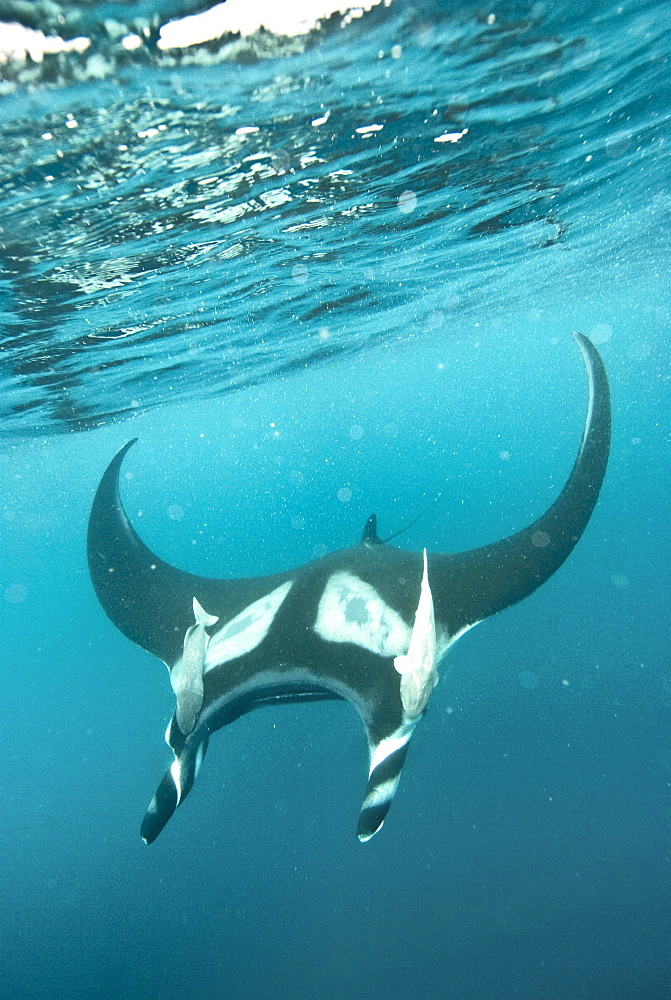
point(368, 624)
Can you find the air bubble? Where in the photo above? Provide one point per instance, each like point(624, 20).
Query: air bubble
point(16, 593)
point(617, 145)
point(299, 273)
point(601, 333)
point(528, 680)
point(407, 202)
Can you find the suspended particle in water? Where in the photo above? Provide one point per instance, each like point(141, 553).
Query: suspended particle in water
point(540, 539)
point(296, 478)
point(175, 512)
point(344, 494)
point(356, 432)
point(298, 522)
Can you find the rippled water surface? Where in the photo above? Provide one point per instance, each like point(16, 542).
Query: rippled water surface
point(178, 225)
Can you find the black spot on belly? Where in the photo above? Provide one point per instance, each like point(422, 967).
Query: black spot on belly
point(356, 611)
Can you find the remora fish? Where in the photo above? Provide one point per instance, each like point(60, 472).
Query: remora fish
point(186, 676)
point(417, 667)
point(333, 628)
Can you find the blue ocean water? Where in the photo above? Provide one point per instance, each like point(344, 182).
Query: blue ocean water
point(305, 323)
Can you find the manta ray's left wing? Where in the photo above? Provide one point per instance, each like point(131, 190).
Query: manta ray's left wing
point(148, 600)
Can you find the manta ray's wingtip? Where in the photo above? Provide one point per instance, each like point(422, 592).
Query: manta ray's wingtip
point(115, 464)
point(589, 351)
point(126, 447)
point(363, 838)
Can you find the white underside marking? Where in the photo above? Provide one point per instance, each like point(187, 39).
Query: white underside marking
point(247, 630)
point(286, 679)
point(592, 390)
point(350, 610)
point(381, 793)
point(200, 753)
point(389, 746)
point(282, 679)
point(177, 778)
point(445, 641)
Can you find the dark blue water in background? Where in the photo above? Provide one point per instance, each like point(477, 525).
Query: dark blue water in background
point(278, 322)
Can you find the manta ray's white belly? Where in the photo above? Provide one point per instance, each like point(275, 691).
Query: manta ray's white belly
point(350, 610)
